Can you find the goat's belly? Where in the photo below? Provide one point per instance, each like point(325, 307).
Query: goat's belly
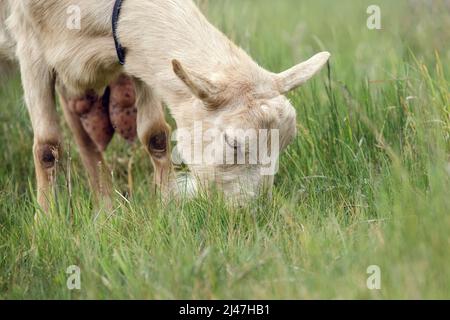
point(84, 64)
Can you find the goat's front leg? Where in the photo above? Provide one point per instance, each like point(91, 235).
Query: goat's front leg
point(154, 133)
point(38, 82)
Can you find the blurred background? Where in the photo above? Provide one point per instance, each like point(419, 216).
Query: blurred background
point(365, 183)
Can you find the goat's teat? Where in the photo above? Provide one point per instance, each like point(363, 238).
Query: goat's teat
point(122, 108)
point(102, 116)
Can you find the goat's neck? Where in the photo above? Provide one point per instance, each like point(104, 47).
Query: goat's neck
point(156, 32)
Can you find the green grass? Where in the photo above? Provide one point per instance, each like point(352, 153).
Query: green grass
point(366, 182)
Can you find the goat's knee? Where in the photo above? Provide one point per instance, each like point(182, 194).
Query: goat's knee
point(47, 154)
point(158, 145)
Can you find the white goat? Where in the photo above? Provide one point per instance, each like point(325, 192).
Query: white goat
point(173, 54)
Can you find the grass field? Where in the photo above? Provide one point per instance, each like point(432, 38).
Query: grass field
point(366, 182)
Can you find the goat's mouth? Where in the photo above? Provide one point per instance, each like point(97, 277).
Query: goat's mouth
point(189, 188)
point(235, 187)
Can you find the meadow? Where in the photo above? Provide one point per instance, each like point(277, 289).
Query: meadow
point(365, 183)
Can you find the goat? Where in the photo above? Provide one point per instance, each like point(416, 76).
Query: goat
point(174, 56)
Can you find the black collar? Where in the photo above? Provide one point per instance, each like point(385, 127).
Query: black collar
point(115, 19)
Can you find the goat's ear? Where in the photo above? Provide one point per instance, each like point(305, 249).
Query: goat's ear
point(298, 75)
point(201, 87)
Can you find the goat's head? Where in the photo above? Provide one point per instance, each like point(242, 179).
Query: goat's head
point(239, 123)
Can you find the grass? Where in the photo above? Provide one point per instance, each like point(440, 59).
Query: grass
point(365, 183)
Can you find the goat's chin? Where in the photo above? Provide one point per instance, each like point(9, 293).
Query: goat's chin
point(188, 187)
point(236, 187)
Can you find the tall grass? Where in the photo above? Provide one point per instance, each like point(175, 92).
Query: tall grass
point(366, 182)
